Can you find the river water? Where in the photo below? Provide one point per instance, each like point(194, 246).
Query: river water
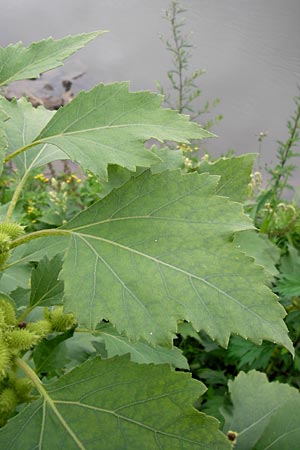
point(249, 48)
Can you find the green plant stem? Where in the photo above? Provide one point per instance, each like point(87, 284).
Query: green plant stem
point(16, 196)
point(284, 159)
point(37, 234)
point(179, 59)
point(21, 150)
point(38, 385)
point(25, 313)
point(20, 186)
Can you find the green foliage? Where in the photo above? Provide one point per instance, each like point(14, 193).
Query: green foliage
point(19, 63)
point(260, 248)
point(125, 405)
point(263, 414)
point(148, 254)
point(58, 195)
point(272, 213)
point(234, 175)
point(288, 284)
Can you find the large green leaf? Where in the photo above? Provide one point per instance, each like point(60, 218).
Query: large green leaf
point(158, 250)
point(116, 404)
point(24, 123)
point(113, 125)
point(265, 415)
point(19, 63)
point(235, 175)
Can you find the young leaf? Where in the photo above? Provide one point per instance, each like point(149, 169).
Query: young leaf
point(235, 175)
point(19, 63)
point(46, 288)
point(158, 250)
point(116, 404)
point(113, 124)
point(265, 415)
point(24, 123)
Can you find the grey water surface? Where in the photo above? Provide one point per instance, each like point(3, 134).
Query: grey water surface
point(250, 49)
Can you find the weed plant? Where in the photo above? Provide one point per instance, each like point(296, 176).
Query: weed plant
point(109, 286)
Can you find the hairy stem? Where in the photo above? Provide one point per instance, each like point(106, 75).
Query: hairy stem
point(21, 150)
point(37, 234)
point(16, 197)
point(20, 186)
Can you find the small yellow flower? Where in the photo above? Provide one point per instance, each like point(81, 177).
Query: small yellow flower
point(41, 177)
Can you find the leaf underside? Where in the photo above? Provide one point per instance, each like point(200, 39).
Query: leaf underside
point(23, 125)
point(113, 124)
point(159, 250)
point(116, 404)
point(20, 63)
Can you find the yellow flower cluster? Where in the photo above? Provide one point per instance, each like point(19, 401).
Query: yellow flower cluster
point(73, 177)
point(187, 148)
point(41, 177)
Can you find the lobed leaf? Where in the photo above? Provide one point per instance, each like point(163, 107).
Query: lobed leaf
point(19, 63)
point(235, 175)
point(265, 415)
point(116, 404)
point(113, 125)
point(159, 250)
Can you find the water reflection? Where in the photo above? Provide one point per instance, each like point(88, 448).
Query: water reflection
point(250, 50)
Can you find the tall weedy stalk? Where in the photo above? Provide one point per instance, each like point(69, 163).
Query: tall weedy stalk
point(283, 170)
point(183, 82)
point(280, 217)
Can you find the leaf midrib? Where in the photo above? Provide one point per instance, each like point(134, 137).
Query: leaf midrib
point(170, 266)
point(135, 422)
point(89, 130)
